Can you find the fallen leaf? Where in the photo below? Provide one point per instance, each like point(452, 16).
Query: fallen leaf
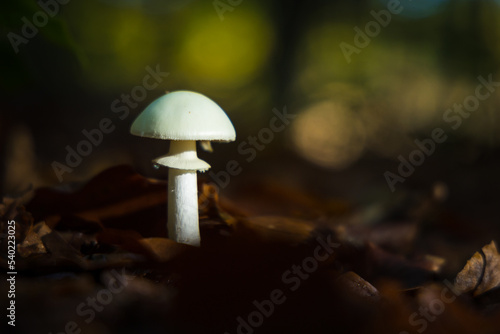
point(13, 209)
point(358, 287)
point(117, 198)
point(115, 187)
point(276, 229)
point(163, 249)
point(61, 252)
point(209, 206)
point(33, 244)
point(269, 197)
point(375, 263)
point(391, 236)
point(125, 239)
point(124, 207)
point(481, 273)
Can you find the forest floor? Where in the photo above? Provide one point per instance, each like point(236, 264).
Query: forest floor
point(280, 253)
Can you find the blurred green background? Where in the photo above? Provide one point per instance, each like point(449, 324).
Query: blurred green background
point(353, 117)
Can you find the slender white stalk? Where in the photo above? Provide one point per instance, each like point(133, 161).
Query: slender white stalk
point(183, 225)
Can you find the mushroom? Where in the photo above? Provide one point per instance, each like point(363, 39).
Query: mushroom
point(183, 117)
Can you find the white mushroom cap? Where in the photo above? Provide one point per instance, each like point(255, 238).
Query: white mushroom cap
point(184, 115)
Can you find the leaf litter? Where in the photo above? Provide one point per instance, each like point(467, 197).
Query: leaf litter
point(374, 282)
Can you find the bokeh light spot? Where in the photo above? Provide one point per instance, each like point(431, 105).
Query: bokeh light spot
point(329, 134)
point(118, 41)
point(225, 53)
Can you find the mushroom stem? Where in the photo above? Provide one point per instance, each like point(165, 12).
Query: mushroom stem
point(183, 225)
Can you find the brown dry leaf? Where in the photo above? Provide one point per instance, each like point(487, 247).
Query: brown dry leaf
point(118, 197)
point(268, 197)
point(124, 207)
point(358, 286)
point(61, 251)
point(126, 239)
point(118, 186)
point(409, 272)
point(276, 229)
point(392, 236)
point(33, 244)
point(209, 206)
point(481, 273)
point(52, 251)
point(13, 209)
point(163, 249)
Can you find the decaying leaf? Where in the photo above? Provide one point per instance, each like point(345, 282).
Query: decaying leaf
point(61, 251)
point(209, 206)
point(393, 236)
point(481, 273)
point(277, 229)
point(269, 197)
point(358, 287)
point(125, 239)
point(124, 207)
point(119, 188)
point(116, 198)
point(410, 272)
point(13, 209)
point(33, 244)
point(163, 249)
